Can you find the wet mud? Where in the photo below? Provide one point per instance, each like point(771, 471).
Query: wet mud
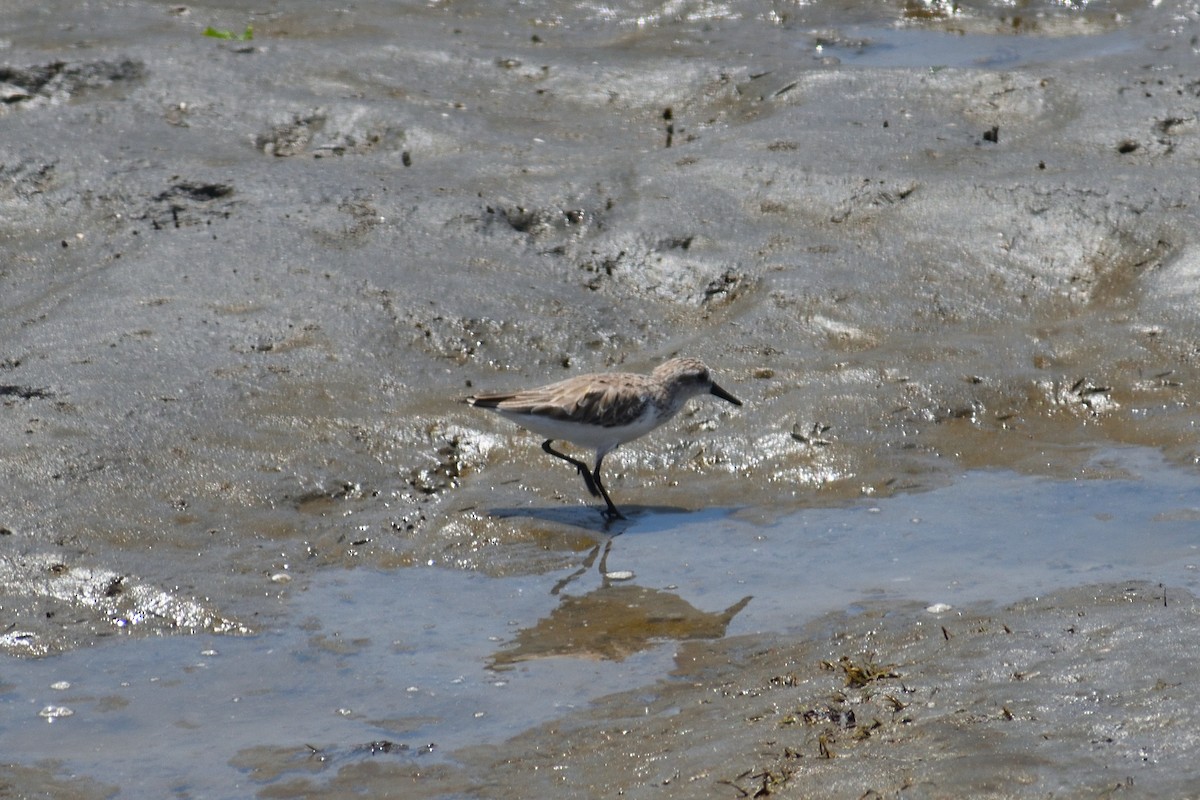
point(1063, 695)
point(254, 260)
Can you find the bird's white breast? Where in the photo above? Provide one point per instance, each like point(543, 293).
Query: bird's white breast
point(596, 437)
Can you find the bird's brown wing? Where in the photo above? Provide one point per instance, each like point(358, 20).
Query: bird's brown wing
point(598, 400)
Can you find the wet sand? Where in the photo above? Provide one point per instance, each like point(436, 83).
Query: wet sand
point(248, 282)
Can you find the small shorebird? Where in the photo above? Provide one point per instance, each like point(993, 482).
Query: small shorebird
point(604, 410)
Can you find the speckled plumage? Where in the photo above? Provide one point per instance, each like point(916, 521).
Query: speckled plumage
point(604, 410)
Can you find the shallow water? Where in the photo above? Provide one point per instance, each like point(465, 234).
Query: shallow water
point(399, 665)
point(992, 535)
point(875, 46)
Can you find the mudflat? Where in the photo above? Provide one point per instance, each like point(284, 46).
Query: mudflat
point(255, 259)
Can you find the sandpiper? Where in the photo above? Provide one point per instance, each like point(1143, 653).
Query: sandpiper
point(604, 410)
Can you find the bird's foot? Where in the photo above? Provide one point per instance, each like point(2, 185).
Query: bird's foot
point(611, 514)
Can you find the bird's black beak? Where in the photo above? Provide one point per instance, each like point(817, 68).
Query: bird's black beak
point(724, 395)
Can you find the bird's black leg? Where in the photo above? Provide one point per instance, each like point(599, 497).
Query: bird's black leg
point(611, 512)
point(579, 465)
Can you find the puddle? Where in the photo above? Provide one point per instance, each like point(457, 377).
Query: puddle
point(877, 46)
point(411, 665)
point(386, 662)
point(993, 535)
